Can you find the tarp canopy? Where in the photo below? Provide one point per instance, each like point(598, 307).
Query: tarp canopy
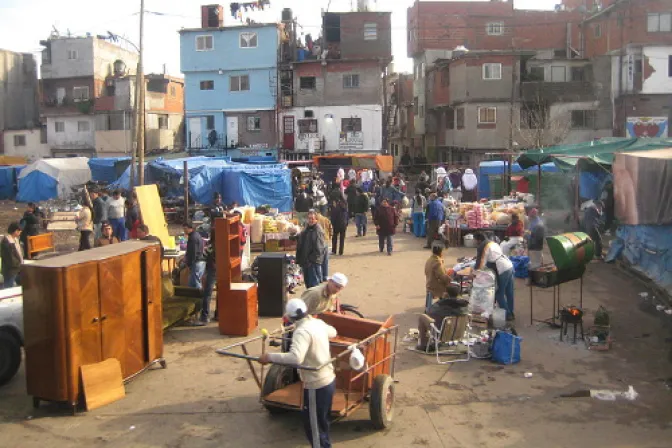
point(52, 178)
point(108, 169)
point(643, 187)
point(8, 180)
point(371, 161)
point(500, 168)
point(13, 160)
point(599, 151)
point(272, 186)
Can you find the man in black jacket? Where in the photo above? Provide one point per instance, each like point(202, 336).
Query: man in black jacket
point(30, 224)
point(311, 250)
point(194, 259)
point(360, 209)
point(339, 222)
point(302, 205)
point(11, 255)
point(99, 213)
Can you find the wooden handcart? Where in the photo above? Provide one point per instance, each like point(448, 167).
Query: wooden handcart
point(282, 391)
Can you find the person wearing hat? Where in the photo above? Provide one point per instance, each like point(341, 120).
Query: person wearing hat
point(310, 347)
point(320, 299)
point(535, 239)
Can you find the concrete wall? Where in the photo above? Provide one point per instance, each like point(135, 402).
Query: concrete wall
point(492, 137)
point(72, 138)
point(659, 80)
point(114, 142)
point(467, 83)
point(18, 91)
point(352, 43)
point(260, 95)
point(330, 128)
point(34, 148)
point(329, 90)
point(95, 58)
point(106, 53)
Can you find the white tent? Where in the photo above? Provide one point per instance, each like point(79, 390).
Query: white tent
point(52, 178)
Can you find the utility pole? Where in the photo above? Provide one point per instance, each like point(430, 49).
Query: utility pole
point(140, 103)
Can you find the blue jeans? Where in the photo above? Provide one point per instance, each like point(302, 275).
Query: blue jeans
point(419, 224)
point(10, 281)
point(381, 243)
point(208, 286)
point(312, 275)
point(119, 228)
point(504, 291)
point(429, 298)
point(324, 269)
point(322, 399)
point(196, 274)
point(360, 222)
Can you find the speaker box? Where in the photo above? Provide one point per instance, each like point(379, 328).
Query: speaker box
point(272, 284)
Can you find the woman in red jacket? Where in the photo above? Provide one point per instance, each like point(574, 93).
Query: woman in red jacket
point(386, 219)
point(514, 234)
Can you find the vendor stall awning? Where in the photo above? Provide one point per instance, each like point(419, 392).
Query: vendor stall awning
point(600, 151)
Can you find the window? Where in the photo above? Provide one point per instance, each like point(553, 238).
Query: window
point(163, 121)
point(207, 85)
point(350, 81)
point(19, 140)
point(240, 83)
point(669, 66)
point(492, 71)
point(597, 30)
point(450, 118)
point(83, 126)
point(72, 54)
point(583, 119)
point(659, 22)
point(210, 122)
point(459, 118)
point(307, 82)
point(248, 40)
point(494, 28)
point(578, 74)
point(487, 115)
point(308, 114)
point(416, 106)
point(370, 31)
point(537, 74)
point(59, 126)
point(254, 124)
point(558, 74)
point(307, 126)
point(205, 43)
point(80, 93)
point(351, 124)
point(422, 110)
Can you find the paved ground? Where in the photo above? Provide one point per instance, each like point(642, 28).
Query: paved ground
point(204, 400)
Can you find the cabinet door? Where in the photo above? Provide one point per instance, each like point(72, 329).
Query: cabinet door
point(152, 302)
point(121, 311)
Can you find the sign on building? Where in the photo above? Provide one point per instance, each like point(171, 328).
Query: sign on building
point(647, 127)
point(350, 141)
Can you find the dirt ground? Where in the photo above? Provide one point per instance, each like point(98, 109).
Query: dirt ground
point(205, 400)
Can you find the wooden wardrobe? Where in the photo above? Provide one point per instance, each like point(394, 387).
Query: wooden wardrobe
point(86, 307)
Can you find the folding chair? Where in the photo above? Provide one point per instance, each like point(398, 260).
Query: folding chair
point(455, 330)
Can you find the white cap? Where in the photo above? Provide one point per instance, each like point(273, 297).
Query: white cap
point(296, 309)
point(340, 279)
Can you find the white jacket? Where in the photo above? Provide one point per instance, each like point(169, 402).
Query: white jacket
point(310, 347)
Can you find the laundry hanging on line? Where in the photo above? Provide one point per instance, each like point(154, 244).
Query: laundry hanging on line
point(238, 7)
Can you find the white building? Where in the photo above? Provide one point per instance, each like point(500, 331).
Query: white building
point(28, 143)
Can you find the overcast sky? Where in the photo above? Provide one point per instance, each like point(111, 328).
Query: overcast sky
point(23, 23)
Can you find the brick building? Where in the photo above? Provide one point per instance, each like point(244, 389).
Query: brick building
point(400, 116)
point(331, 88)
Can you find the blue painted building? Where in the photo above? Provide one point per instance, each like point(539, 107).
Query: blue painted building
point(230, 76)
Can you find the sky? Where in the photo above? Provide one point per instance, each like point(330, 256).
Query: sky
point(22, 28)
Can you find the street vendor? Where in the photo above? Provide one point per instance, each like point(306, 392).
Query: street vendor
point(513, 235)
point(489, 254)
point(438, 279)
point(320, 299)
point(310, 347)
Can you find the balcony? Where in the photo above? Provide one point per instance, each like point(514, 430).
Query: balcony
point(566, 92)
point(67, 105)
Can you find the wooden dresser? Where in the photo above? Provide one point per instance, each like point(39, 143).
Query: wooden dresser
point(85, 307)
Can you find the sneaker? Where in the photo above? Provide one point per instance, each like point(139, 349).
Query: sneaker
point(389, 254)
point(510, 317)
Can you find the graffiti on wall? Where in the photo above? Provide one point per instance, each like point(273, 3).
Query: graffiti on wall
point(647, 127)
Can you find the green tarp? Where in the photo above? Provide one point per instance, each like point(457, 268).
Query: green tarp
point(600, 151)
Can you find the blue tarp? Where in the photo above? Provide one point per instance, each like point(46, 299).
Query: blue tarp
point(8, 177)
point(37, 186)
point(271, 186)
point(108, 169)
point(500, 168)
point(648, 249)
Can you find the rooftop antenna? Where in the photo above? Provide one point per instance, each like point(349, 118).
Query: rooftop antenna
point(54, 31)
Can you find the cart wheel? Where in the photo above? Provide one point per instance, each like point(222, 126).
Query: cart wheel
point(381, 405)
point(277, 377)
point(350, 311)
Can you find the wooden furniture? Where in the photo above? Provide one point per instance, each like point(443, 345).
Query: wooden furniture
point(236, 301)
point(102, 383)
point(40, 243)
point(85, 307)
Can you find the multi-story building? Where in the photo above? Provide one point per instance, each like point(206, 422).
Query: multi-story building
point(115, 114)
point(74, 73)
point(331, 89)
point(20, 130)
point(636, 38)
point(230, 84)
point(400, 116)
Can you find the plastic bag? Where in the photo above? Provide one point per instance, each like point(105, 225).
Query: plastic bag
point(482, 298)
point(506, 348)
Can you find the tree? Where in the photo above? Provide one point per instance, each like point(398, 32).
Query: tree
point(539, 126)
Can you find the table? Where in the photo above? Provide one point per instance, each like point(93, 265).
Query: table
point(455, 234)
point(170, 260)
